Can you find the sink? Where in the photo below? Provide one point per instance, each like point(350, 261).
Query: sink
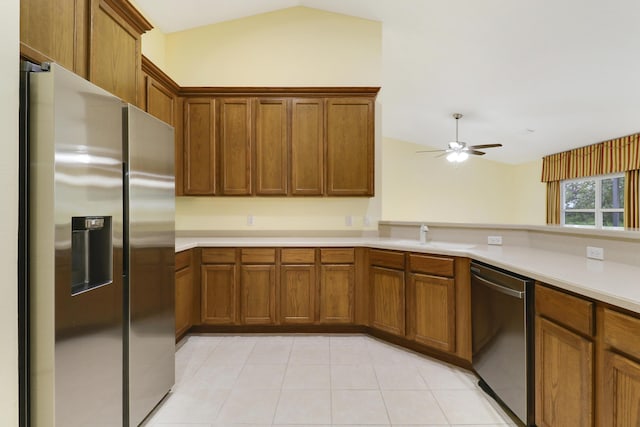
point(436, 245)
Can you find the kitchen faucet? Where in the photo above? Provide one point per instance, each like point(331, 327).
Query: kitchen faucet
point(423, 234)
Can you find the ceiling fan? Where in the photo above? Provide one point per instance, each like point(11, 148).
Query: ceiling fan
point(459, 151)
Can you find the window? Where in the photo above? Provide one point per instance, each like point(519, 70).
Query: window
point(594, 202)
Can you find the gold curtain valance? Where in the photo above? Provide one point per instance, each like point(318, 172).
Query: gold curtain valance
point(616, 155)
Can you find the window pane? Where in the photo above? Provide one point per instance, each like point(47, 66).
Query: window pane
point(612, 219)
point(580, 218)
point(613, 193)
point(580, 195)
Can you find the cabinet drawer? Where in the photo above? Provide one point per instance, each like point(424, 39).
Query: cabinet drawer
point(621, 332)
point(183, 259)
point(437, 266)
point(572, 312)
point(258, 256)
point(298, 256)
point(218, 256)
point(337, 256)
point(389, 259)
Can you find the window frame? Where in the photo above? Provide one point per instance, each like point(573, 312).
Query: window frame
point(598, 209)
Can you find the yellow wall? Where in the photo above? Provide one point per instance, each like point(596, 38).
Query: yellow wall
point(421, 187)
point(154, 47)
point(291, 47)
point(9, 53)
point(153, 42)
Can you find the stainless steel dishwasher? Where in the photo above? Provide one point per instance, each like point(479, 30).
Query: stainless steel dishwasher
point(502, 330)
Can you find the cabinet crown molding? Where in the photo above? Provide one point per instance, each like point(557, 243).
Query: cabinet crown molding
point(303, 91)
point(132, 15)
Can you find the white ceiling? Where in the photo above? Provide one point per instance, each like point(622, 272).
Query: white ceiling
point(538, 76)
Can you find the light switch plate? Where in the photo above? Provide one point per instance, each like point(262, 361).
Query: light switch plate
point(348, 220)
point(595, 252)
point(249, 219)
point(494, 240)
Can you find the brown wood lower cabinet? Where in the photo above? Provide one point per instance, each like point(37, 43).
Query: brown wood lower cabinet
point(184, 296)
point(336, 293)
point(219, 294)
point(432, 311)
point(297, 293)
point(183, 292)
point(257, 304)
point(564, 377)
point(621, 397)
point(619, 394)
point(387, 304)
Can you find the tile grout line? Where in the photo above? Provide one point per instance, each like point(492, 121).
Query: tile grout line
point(284, 376)
point(224, 402)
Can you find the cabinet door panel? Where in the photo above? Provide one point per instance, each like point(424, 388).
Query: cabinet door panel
point(564, 377)
point(350, 147)
point(258, 294)
point(114, 54)
point(199, 147)
point(388, 302)
point(307, 147)
point(297, 293)
point(56, 29)
point(234, 115)
point(432, 311)
point(219, 289)
point(184, 299)
point(271, 141)
point(160, 102)
point(621, 397)
point(336, 293)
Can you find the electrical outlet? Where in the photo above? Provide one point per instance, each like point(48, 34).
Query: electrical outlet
point(494, 240)
point(249, 219)
point(594, 252)
point(366, 220)
point(348, 220)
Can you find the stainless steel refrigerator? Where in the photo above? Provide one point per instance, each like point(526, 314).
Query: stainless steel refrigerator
point(99, 311)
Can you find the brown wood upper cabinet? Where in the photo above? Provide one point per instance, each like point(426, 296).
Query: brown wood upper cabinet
point(234, 145)
point(271, 146)
point(199, 147)
point(55, 31)
point(307, 147)
point(274, 143)
point(96, 39)
point(350, 147)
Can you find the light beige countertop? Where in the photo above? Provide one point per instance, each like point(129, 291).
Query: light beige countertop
point(607, 281)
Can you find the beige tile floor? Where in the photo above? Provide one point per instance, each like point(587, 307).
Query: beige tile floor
point(321, 380)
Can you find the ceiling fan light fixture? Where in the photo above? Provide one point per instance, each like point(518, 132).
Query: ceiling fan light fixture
point(457, 156)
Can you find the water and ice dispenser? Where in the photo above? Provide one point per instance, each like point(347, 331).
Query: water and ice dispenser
point(91, 253)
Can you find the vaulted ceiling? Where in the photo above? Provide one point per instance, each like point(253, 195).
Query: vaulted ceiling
point(538, 76)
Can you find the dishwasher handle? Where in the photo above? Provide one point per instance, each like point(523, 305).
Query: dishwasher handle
point(507, 291)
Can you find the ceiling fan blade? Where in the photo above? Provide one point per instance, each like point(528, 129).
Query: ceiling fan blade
point(442, 155)
point(429, 151)
point(473, 147)
point(476, 153)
